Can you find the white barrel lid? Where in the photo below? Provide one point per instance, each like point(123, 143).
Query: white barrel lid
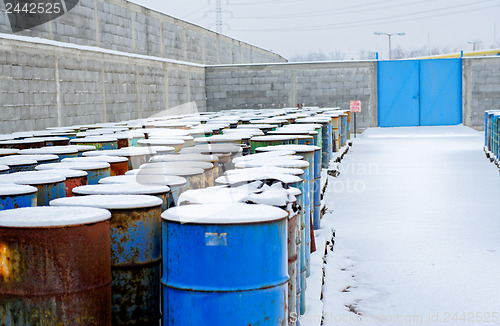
point(32, 177)
point(69, 173)
point(23, 134)
point(233, 213)
point(148, 179)
point(50, 150)
point(160, 142)
point(249, 177)
point(244, 132)
point(315, 119)
point(8, 151)
point(274, 138)
point(100, 158)
point(83, 148)
point(267, 169)
point(4, 167)
point(295, 191)
point(185, 157)
point(48, 138)
point(218, 138)
point(217, 194)
point(257, 125)
point(41, 157)
point(167, 133)
point(263, 155)
point(163, 149)
point(168, 165)
point(109, 201)
point(294, 131)
point(216, 148)
point(21, 141)
point(296, 148)
point(85, 166)
point(306, 125)
point(94, 139)
point(121, 189)
point(292, 164)
point(12, 189)
point(45, 216)
point(14, 160)
point(180, 171)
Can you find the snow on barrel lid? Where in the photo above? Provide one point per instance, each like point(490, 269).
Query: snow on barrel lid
point(109, 201)
point(185, 157)
point(52, 216)
point(217, 194)
point(94, 139)
point(41, 157)
point(257, 175)
point(120, 189)
point(8, 151)
point(296, 148)
point(50, 150)
point(100, 158)
point(293, 164)
point(267, 169)
point(85, 166)
point(134, 151)
point(69, 173)
point(83, 148)
point(264, 155)
point(161, 141)
point(168, 165)
point(13, 160)
point(151, 179)
point(233, 213)
point(32, 177)
point(273, 138)
point(4, 167)
point(12, 189)
point(180, 171)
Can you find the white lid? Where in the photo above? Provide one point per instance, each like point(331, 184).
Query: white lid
point(169, 180)
point(121, 189)
point(296, 148)
point(109, 201)
point(184, 157)
point(180, 171)
point(8, 151)
point(32, 177)
point(94, 139)
point(100, 158)
point(12, 189)
point(216, 148)
point(50, 150)
point(4, 167)
point(218, 138)
point(217, 194)
point(292, 164)
point(273, 138)
point(266, 169)
point(52, 216)
point(257, 175)
point(41, 157)
point(160, 142)
point(234, 213)
point(167, 133)
point(163, 149)
point(83, 148)
point(256, 125)
point(68, 173)
point(264, 155)
point(13, 160)
point(170, 165)
point(22, 141)
point(294, 191)
point(85, 166)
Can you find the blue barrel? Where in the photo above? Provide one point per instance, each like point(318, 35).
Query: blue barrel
point(100, 142)
point(317, 189)
point(4, 169)
point(209, 265)
point(42, 158)
point(17, 196)
point(61, 151)
point(50, 184)
point(95, 170)
point(135, 254)
point(17, 163)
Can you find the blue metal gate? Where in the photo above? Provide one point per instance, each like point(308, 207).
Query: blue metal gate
point(419, 92)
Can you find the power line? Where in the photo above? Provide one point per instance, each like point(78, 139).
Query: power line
point(265, 2)
point(384, 19)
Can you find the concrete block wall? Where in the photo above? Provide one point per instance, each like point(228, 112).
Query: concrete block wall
point(124, 26)
point(67, 86)
point(331, 84)
point(481, 89)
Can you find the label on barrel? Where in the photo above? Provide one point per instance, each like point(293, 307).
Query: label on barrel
point(355, 106)
point(215, 239)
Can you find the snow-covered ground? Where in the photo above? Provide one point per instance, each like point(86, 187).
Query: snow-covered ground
point(417, 221)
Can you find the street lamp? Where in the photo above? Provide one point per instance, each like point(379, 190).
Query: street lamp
point(389, 34)
point(473, 44)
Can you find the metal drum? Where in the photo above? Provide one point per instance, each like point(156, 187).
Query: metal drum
point(326, 137)
point(123, 139)
point(135, 254)
point(118, 165)
point(17, 163)
point(42, 158)
point(8, 151)
point(208, 265)
point(22, 143)
point(50, 184)
point(159, 191)
point(100, 142)
point(208, 169)
point(56, 141)
point(61, 151)
point(176, 143)
point(219, 139)
point(83, 149)
point(74, 178)
point(195, 176)
point(136, 155)
point(190, 158)
point(4, 169)
point(163, 150)
point(176, 184)
point(55, 266)
point(95, 170)
point(336, 124)
point(271, 140)
point(16, 196)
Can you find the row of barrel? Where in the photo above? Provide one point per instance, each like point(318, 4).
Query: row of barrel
point(491, 135)
point(219, 254)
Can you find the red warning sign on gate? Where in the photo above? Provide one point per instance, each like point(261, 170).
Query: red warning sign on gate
point(355, 106)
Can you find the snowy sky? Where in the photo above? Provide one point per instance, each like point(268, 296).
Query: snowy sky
point(297, 27)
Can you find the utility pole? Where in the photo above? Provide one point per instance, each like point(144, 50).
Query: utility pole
point(218, 15)
point(390, 35)
point(473, 44)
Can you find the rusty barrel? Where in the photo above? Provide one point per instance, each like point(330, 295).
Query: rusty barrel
point(18, 163)
point(135, 254)
point(61, 151)
point(22, 143)
point(74, 178)
point(55, 267)
point(56, 141)
point(160, 191)
point(17, 196)
point(176, 184)
point(95, 170)
point(50, 184)
point(209, 265)
point(118, 165)
point(100, 142)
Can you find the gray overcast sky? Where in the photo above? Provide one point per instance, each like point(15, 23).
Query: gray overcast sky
point(297, 27)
